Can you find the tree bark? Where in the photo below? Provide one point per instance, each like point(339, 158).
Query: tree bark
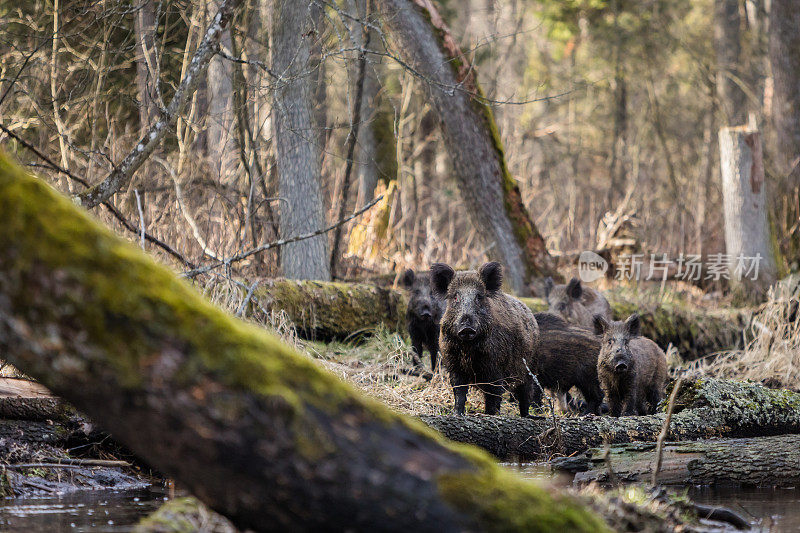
point(221, 142)
point(747, 233)
point(784, 57)
point(471, 137)
point(296, 134)
point(706, 409)
point(728, 47)
point(762, 462)
point(255, 430)
point(145, 24)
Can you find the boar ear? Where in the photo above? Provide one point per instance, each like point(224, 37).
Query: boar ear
point(408, 278)
point(634, 325)
point(574, 288)
point(441, 276)
point(492, 276)
point(548, 286)
point(600, 324)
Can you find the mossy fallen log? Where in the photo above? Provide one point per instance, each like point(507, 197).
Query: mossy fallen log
point(254, 429)
point(757, 462)
point(332, 310)
point(704, 409)
point(693, 331)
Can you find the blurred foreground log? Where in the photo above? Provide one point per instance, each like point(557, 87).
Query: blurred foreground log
point(760, 462)
point(254, 429)
point(704, 409)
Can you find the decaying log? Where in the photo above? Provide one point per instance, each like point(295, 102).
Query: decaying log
point(332, 310)
point(693, 331)
point(760, 462)
point(704, 409)
point(254, 429)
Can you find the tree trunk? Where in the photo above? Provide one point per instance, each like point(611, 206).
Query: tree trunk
point(298, 153)
point(145, 24)
point(471, 137)
point(784, 56)
point(255, 430)
point(747, 236)
point(728, 47)
point(762, 462)
point(220, 138)
point(706, 409)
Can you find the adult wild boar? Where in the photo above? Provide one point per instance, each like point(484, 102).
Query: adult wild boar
point(487, 338)
point(632, 369)
point(423, 316)
point(567, 357)
point(575, 303)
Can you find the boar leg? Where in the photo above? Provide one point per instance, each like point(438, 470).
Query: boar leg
point(460, 388)
point(630, 405)
point(615, 406)
point(433, 348)
point(492, 397)
point(654, 396)
point(524, 394)
point(416, 351)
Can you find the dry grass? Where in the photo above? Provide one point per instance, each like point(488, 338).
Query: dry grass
point(772, 351)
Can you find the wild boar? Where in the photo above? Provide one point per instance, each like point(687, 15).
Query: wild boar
point(423, 315)
point(567, 357)
point(632, 369)
point(487, 338)
point(575, 303)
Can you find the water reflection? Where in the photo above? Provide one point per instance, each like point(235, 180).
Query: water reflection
point(93, 511)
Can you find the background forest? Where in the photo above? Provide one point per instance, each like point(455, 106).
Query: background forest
point(602, 106)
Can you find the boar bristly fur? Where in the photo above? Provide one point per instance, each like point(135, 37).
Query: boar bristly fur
point(632, 369)
point(575, 303)
point(567, 357)
point(487, 338)
point(423, 316)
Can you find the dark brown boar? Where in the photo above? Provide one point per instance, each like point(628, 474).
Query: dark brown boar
point(575, 303)
point(632, 369)
point(567, 357)
point(487, 338)
point(423, 315)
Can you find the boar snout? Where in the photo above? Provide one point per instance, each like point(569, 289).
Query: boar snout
point(467, 328)
point(621, 367)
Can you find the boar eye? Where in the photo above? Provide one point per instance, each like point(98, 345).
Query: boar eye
point(610, 342)
point(455, 297)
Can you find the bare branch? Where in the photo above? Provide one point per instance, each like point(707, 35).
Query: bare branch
point(122, 174)
point(282, 242)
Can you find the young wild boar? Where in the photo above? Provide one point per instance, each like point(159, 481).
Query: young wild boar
point(422, 316)
point(487, 338)
point(567, 357)
point(632, 369)
point(577, 304)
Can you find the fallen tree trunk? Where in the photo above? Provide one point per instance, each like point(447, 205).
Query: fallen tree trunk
point(704, 409)
point(332, 310)
point(694, 332)
point(760, 462)
point(255, 430)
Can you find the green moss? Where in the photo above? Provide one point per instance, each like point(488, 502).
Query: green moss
point(499, 501)
point(183, 515)
point(741, 396)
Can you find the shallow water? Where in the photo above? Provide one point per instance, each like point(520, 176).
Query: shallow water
point(773, 510)
point(769, 510)
point(95, 511)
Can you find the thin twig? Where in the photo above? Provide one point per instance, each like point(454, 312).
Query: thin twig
point(141, 216)
point(250, 291)
point(275, 244)
point(665, 430)
point(612, 476)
